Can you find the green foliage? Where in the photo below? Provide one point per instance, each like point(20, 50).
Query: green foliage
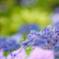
point(14, 15)
point(28, 50)
point(6, 53)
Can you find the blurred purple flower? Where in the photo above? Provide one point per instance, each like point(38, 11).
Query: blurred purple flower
point(8, 45)
point(26, 28)
point(55, 17)
point(56, 10)
point(39, 53)
point(28, 3)
point(17, 37)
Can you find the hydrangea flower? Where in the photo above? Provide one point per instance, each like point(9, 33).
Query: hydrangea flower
point(47, 39)
point(8, 45)
point(37, 53)
point(18, 54)
point(26, 28)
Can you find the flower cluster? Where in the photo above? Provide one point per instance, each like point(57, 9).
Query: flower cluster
point(35, 54)
point(26, 28)
point(46, 41)
point(48, 38)
point(8, 45)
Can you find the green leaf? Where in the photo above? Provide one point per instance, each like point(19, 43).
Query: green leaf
point(28, 50)
point(6, 53)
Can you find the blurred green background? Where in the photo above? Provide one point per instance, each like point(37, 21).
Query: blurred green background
point(14, 13)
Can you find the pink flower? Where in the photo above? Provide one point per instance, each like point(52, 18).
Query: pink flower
point(39, 53)
point(18, 54)
point(1, 54)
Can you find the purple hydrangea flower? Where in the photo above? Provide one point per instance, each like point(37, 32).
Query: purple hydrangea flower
point(18, 54)
point(47, 39)
point(8, 45)
point(26, 28)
